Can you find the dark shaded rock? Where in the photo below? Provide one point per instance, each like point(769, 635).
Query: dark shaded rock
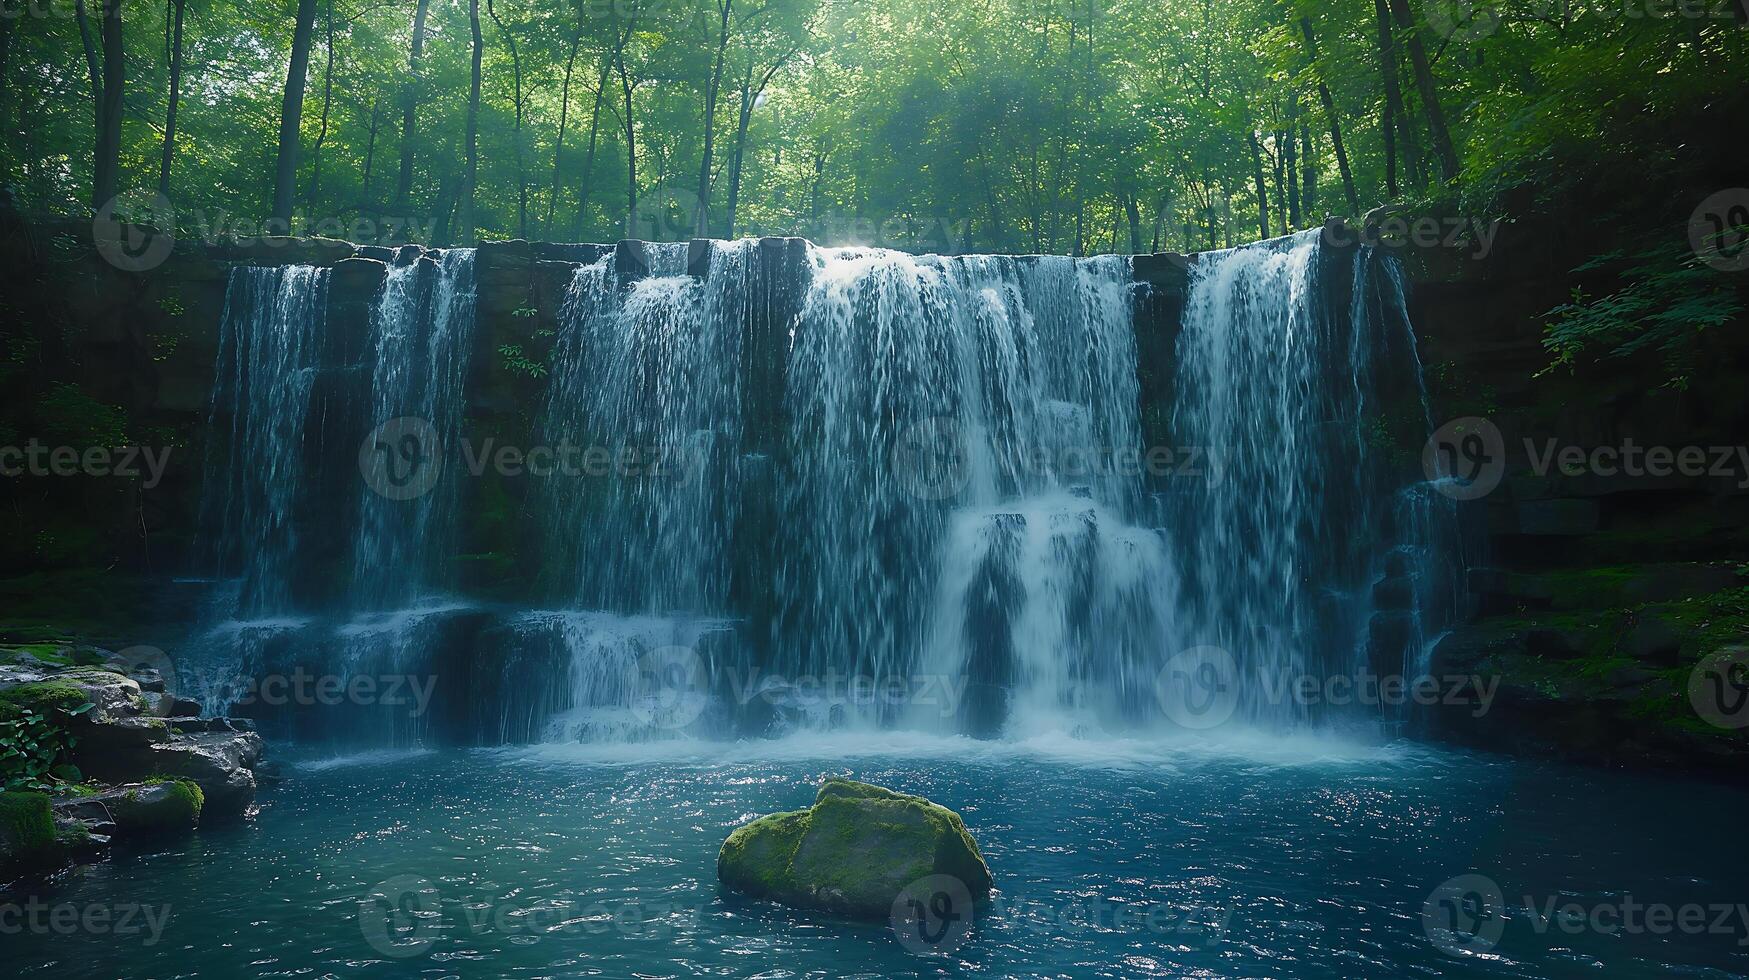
point(1558, 518)
point(1387, 642)
point(1663, 583)
point(118, 737)
point(149, 809)
point(1653, 641)
point(1500, 590)
point(220, 764)
point(1556, 644)
point(1395, 594)
point(357, 276)
point(852, 853)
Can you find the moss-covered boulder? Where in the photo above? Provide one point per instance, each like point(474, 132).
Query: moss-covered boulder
point(27, 832)
point(158, 806)
point(852, 853)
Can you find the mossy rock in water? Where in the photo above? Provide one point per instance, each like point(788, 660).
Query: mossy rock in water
point(158, 806)
point(27, 829)
point(853, 852)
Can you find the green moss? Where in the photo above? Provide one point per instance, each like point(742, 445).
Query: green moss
point(27, 825)
point(756, 857)
point(1603, 587)
point(46, 696)
point(67, 415)
point(853, 852)
point(48, 653)
point(180, 810)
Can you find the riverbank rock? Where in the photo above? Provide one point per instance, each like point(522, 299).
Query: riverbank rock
point(27, 833)
point(852, 853)
point(123, 741)
point(151, 808)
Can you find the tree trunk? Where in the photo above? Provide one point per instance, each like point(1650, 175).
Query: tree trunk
point(1393, 110)
point(370, 150)
point(93, 70)
point(327, 106)
point(1308, 173)
point(1335, 126)
point(589, 155)
point(1133, 211)
point(1262, 189)
point(631, 135)
point(1442, 145)
point(174, 96)
point(409, 105)
point(750, 94)
point(1289, 149)
point(739, 157)
point(516, 76)
point(106, 171)
point(291, 113)
point(559, 144)
point(470, 174)
point(702, 221)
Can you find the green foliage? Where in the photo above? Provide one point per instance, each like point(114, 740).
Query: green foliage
point(1668, 296)
point(27, 823)
point(518, 363)
point(67, 416)
point(34, 738)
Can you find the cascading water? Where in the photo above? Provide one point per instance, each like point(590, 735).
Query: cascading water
point(423, 331)
point(956, 510)
point(270, 340)
point(286, 408)
point(1295, 399)
point(944, 495)
point(270, 343)
point(644, 400)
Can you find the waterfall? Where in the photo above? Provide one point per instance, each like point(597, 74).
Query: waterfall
point(422, 328)
point(270, 344)
point(645, 391)
point(292, 506)
point(644, 400)
point(780, 479)
point(1296, 399)
point(955, 507)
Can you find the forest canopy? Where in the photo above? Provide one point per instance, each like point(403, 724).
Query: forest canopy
point(1070, 126)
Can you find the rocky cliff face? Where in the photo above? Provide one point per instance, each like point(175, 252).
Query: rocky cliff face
point(1608, 570)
